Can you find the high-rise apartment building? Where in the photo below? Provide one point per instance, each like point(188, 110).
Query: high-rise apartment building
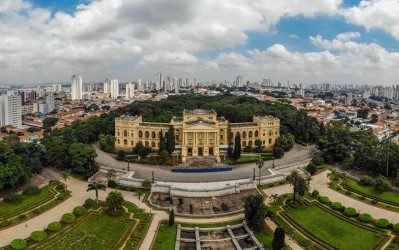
point(114, 88)
point(11, 110)
point(158, 81)
point(107, 87)
point(129, 90)
point(76, 87)
point(239, 81)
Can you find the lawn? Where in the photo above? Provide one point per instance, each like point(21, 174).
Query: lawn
point(266, 237)
point(389, 196)
point(141, 229)
point(248, 159)
point(8, 209)
point(331, 229)
point(98, 231)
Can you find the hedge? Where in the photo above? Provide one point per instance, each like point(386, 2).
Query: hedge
point(79, 210)
point(68, 218)
point(89, 203)
point(350, 211)
point(336, 205)
point(38, 235)
point(365, 217)
point(31, 191)
point(324, 199)
point(54, 226)
point(18, 244)
point(13, 198)
point(315, 193)
point(382, 223)
point(396, 227)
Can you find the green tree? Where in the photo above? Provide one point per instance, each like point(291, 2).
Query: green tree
point(83, 159)
point(260, 164)
point(121, 155)
point(278, 152)
point(146, 184)
point(170, 140)
point(237, 147)
point(278, 239)
point(111, 175)
point(96, 186)
point(164, 157)
point(48, 122)
point(374, 118)
point(107, 143)
point(363, 113)
point(300, 184)
point(258, 146)
point(255, 212)
point(311, 168)
point(114, 200)
point(229, 143)
point(65, 175)
point(381, 183)
point(162, 144)
point(171, 221)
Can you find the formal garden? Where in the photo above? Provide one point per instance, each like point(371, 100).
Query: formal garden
point(95, 225)
point(32, 201)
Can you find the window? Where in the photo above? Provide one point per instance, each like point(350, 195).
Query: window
point(244, 143)
point(256, 133)
point(147, 134)
point(270, 133)
point(119, 142)
point(125, 133)
point(146, 143)
point(250, 143)
point(153, 134)
point(125, 142)
point(270, 141)
point(244, 134)
point(141, 134)
point(160, 134)
point(153, 144)
point(131, 143)
point(221, 137)
point(250, 134)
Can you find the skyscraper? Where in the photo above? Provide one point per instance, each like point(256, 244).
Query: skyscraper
point(129, 90)
point(107, 87)
point(76, 87)
point(11, 110)
point(114, 88)
point(239, 81)
point(158, 81)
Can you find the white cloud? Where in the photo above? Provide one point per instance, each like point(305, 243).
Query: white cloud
point(347, 36)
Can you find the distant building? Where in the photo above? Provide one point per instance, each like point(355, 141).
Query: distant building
point(114, 88)
point(129, 90)
point(239, 81)
point(11, 110)
point(107, 87)
point(158, 81)
point(76, 87)
point(348, 99)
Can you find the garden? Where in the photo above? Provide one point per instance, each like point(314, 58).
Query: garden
point(18, 207)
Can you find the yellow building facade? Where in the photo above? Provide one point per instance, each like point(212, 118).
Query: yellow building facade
point(199, 133)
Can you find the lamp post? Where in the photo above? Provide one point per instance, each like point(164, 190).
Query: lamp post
point(152, 176)
point(254, 174)
point(273, 166)
point(128, 166)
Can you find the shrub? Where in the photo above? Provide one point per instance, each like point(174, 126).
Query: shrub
point(350, 211)
point(68, 218)
point(381, 184)
point(18, 244)
point(60, 186)
point(362, 197)
point(79, 210)
point(30, 191)
point(38, 235)
point(396, 227)
point(315, 193)
point(365, 217)
point(336, 205)
point(317, 160)
point(89, 203)
point(22, 217)
point(54, 226)
point(324, 199)
point(338, 188)
point(311, 168)
point(348, 192)
point(374, 201)
point(5, 223)
point(112, 184)
point(13, 198)
point(366, 180)
point(382, 223)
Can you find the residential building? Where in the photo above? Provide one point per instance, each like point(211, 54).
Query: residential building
point(76, 87)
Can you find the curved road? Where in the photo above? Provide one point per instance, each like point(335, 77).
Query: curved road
point(299, 154)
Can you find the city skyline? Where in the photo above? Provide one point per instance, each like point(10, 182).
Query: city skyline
point(336, 41)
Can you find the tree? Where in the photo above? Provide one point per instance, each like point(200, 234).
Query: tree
point(164, 156)
point(311, 168)
point(362, 113)
point(237, 147)
point(255, 212)
point(140, 150)
point(260, 162)
point(107, 143)
point(278, 239)
point(48, 122)
point(140, 192)
point(229, 143)
point(258, 146)
point(96, 186)
point(114, 200)
point(65, 175)
point(278, 152)
point(162, 144)
point(374, 118)
point(171, 221)
point(299, 184)
point(146, 184)
point(83, 159)
point(170, 140)
point(121, 155)
point(381, 183)
point(111, 175)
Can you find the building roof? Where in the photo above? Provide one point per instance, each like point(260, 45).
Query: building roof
point(198, 111)
point(200, 121)
point(128, 117)
point(243, 124)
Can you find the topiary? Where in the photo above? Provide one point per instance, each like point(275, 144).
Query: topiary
point(350, 211)
point(68, 218)
point(365, 217)
point(396, 227)
point(30, 191)
point(79, 210)
point(382, 223)
point(324, 199)
point(13, 198)
point(18, 244)
point(315, 193)
point(54, 226)
point(89, 203)
point(336, 205)
point(38, 235)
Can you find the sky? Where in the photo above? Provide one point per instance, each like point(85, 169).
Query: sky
point(300, 41)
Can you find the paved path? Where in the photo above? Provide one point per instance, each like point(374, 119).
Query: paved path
point(162, 173)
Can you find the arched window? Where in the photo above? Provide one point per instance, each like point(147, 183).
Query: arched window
point(238, 133)
point(125, 133)
point(256, 133)
point(140, 134)
point(250, 143)
point(244, 134)
point(119, 142)
point(244, 143)
point(146, 143)
point(153, 134)
point(131, 143)
point(147, 134)
point(125, 142)
point(270, 141)
point(270, 132)
point(153, 144)
point(250, 134)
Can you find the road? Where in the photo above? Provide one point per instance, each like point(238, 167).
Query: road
point(295, 156)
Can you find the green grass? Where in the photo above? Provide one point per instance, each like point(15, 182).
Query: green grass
point(99, 231)
point(333, 230)
point(8, 209)
point(389, 196)
point(141, 229)
point(245, 159)
point(165, 237)
point(266, 237)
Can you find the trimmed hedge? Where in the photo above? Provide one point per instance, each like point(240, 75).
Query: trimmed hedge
point(350, 211)
point(79, 210)
point(31, 191)
point(54, 226)
point(336, 205)
point(365, 217)
point(396, 227)
point(324, 199)
point(68, 218)
point(382, 223)
point(18, 244)
point(38, 235)
point(13, 198)
point(89, 203)
point(315, 193)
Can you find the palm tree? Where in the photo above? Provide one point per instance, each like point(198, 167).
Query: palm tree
point(299, 183)
point(65, 175)
point(140, 192)
point(115, 200)
point(111, 174)
point(96, 186)
point(261, 162)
